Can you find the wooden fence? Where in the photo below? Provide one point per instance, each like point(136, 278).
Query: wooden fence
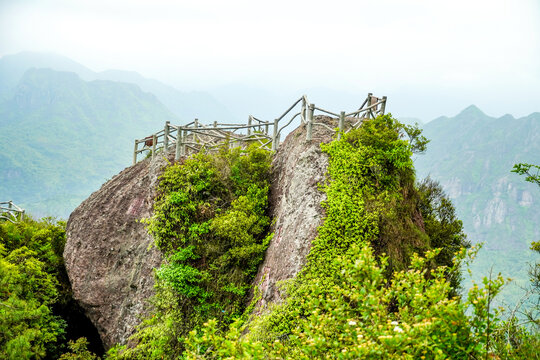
point(11, 212)
point(195, 136)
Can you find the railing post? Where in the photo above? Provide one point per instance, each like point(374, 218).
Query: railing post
point(309, 124)
point(249, 124)
point(135, 152)
point(341, 124)
point(184, 139)
point(178, 151)
point(303, 112)
point(215, 124)
point(266, 129)
point(373, 112)
point(383, 105)
point(275, 138)
point(154, 141)
point(166, 135)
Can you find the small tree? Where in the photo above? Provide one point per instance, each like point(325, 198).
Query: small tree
point(532, 172)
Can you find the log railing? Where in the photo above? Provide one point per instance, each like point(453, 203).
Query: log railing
point(195, 136)
point(11, 212)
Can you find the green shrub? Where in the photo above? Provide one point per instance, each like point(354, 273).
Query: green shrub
point(32, 281)
point(210, 221)
point(364, 316)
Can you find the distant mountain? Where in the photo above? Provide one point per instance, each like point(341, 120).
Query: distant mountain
point(13, 67)
point(472, 154)
point(62, 137)
point(410, 121)
point(186, 105)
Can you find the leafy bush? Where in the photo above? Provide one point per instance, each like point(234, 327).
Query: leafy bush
point(353, 301)
point(31, 266)
point(445, 231)
point(210, 220)
point(36, 304)
point(365, 316)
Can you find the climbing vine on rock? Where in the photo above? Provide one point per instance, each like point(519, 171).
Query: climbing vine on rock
point(364, 292)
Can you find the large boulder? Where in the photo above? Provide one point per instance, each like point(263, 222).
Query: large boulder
point(109, 255)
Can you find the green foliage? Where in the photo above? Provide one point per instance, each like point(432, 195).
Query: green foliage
point(365, 316)
point(78, 350)
point(210, 220)
point(445, 231)
point(364, 292)
point(512, 340)
point(532, 172)
point(35, 294)
point(418, 142)
point(31, 269)
point(371, 200)
point(369, 194)
point(350, 300)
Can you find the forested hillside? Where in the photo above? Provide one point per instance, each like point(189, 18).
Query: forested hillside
point(62, 137)
point(472, 155)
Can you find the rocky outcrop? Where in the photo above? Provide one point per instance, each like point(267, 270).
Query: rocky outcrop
point(108, 255)
point(297, 169)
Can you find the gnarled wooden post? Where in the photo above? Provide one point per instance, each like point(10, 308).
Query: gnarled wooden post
point(275, 137)
point(179, 140)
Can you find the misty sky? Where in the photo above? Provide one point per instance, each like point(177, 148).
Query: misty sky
point(430, 57)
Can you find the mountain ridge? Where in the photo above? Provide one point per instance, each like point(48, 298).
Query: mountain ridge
point(67, 135)
point(472, 156)
point(186, 105)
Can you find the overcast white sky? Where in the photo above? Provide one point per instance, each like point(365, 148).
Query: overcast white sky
point(430, 57)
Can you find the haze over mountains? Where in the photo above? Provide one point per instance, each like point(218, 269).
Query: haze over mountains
point(62, 137)
point(186, 105)
point(472, 155)
point(65, 129)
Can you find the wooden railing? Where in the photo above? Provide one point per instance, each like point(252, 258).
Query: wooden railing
point(195, 136)
point(11, 212)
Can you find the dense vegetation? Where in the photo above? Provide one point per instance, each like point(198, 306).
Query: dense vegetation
point(364, 292)
point(210, 220)
point(381, 279)
point(377, 221)
point(37, 313)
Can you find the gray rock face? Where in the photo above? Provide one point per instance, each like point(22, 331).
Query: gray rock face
point(107, 253)
point(295, 202)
